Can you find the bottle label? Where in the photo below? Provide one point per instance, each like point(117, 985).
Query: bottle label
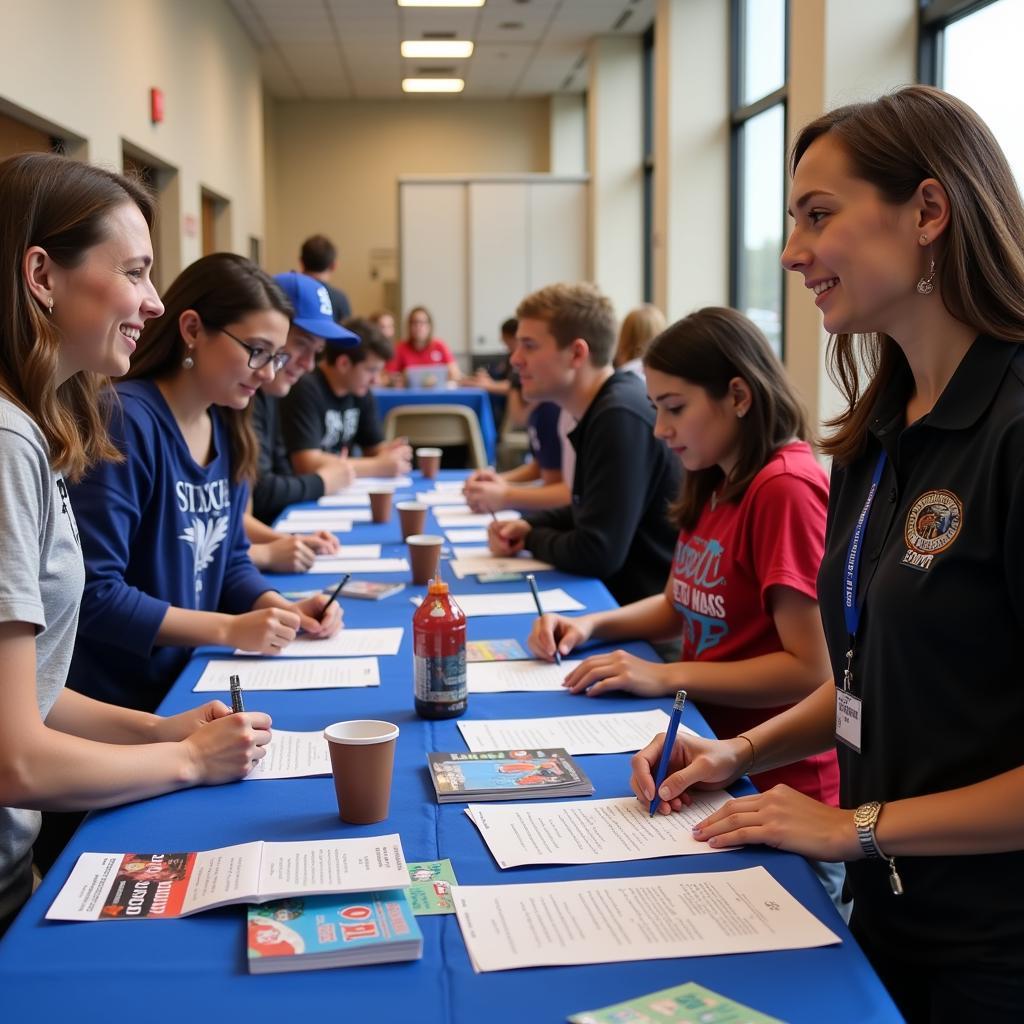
point(440, 679)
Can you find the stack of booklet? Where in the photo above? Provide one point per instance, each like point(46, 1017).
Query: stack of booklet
point(332, 931)
point(506, 775)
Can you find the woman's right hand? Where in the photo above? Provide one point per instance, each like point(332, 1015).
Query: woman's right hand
point(551, 631)
point(263, 631)
point(225, 749)
point(337, 475)
point(694, 763)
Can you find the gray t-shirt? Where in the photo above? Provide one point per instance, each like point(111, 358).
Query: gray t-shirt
point(41, 582)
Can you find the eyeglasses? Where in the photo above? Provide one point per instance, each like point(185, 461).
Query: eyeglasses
point(259, 357)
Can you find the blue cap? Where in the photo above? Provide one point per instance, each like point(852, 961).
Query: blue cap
point(313, 310)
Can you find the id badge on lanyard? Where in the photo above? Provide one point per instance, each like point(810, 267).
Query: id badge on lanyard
point(848, 705)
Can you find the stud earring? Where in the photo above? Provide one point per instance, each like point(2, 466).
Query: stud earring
point(925, 286)
point(49, 305)
point(923, 239)
point(188, 362)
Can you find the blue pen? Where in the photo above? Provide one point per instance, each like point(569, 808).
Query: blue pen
point(670, 742)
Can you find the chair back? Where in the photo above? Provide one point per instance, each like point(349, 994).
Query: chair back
point(438, 426)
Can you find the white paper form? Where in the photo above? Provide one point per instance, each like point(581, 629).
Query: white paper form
point(342, 563)
point(305, 526)
point(447, 519)
point(289, 674)
point(611, 920)
point(358, 500)
point(472, 565)
point(365, 484)
point(452, 500)
point(319, 515)
point(293, 755)
point(590, 831)
point(360, 551)
point(509, 676)
point(475, 535)
point(579, 734)
point(474, 605)
point(346, 643)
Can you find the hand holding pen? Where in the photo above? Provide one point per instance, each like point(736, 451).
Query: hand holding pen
point(532, 580)
point(666, 750)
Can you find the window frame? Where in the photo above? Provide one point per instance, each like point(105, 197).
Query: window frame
point(739, 114)
point(647, 156)
point(933, 18)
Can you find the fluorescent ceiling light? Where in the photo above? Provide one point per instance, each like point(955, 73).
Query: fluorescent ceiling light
point(433, 85)
point(457, 48)
point(441, 3)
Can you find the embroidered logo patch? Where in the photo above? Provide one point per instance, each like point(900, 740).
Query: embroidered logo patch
point(933, 523)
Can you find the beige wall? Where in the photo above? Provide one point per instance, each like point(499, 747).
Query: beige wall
point(334, 168)
point(86, 66)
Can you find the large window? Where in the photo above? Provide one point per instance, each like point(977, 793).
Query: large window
point(759, 75)
point(972, 49)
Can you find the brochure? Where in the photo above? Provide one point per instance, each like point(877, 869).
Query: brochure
point(460, 777)
point(431, 889)
point(682, 1004)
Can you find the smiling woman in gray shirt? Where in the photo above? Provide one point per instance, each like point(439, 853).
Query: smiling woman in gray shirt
point(75, 290)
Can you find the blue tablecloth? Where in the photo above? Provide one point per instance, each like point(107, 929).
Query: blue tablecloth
point(195, 968)
point(475, 398)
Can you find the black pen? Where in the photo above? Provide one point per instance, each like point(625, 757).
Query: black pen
point(334, 596)
point(237, 705)
point(540, 611)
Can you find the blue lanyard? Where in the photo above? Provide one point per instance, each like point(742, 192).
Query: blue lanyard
point(851, 606)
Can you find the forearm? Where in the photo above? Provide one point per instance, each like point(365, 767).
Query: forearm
point(260, 555)
point(54, 770)
point(806, 728)
point(373, 465)
point(521, 474)
point(763, 682)
point(531, 499)
point(987, 817)
point(258, 533)
point(182, 627)
point(78, 715)
point(310, 460)
point(653, 618)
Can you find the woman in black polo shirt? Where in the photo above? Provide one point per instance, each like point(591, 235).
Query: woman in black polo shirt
point(909, 230)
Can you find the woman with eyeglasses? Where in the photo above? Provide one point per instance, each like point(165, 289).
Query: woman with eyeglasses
point(167, 565)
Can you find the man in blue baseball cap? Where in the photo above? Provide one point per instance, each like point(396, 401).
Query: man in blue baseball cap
point(278, 485)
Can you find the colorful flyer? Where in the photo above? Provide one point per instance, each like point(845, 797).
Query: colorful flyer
point(431, 889)
point(496, 650)
point(685, 1004)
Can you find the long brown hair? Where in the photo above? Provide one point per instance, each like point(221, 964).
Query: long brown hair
point(62, 206)
point(894, 143)
point(709, 348)
point(221, 288)
point(639, 328)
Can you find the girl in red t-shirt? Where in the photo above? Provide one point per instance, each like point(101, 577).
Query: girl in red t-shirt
point(751, 516)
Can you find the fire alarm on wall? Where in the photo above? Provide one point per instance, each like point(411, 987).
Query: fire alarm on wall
point(156, 105)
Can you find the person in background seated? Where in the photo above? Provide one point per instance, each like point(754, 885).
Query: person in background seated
point(319, 259)
point(751, 521)
point(501, 382)
point(277, 485)
point(333, 410)
point(384, 321)
point(617, 522)
point(537, 484)
point(421, 348)
point(167, 562)
point(641, 326)
point(75, 259)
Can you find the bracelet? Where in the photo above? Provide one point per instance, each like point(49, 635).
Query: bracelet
point(753, 751)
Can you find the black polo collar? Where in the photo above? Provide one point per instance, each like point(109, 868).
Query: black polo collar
point(965, 398)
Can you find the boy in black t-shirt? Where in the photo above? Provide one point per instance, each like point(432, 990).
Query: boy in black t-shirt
point(332, 411)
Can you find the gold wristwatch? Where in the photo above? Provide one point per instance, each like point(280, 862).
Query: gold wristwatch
point(864, 820)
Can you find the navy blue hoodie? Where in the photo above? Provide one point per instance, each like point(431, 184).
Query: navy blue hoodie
point(157, 530)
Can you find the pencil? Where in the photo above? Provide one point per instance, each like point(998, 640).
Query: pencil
point(670, 742)
point(237, 705)
point(334, 596)
point(540, 611)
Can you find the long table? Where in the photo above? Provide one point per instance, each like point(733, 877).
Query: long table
point(195, 968)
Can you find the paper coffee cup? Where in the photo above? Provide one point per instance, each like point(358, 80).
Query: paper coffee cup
point(429, 461)
point(362, 760)
point(412, 516)
point(424, 556)
point(380, 505)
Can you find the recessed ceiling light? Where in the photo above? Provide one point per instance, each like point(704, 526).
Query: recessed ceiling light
point(433, 84)
point(441, 3)
point(450, 48)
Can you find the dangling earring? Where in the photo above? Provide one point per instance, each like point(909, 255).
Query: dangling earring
point(925, 286)
point(49, 305)
point(188, 362)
